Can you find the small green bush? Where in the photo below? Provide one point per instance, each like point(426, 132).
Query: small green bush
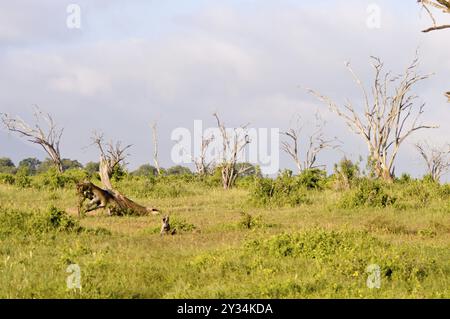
point(285, 190)
point(7, 179)
point(369, 193)
point(249, 222)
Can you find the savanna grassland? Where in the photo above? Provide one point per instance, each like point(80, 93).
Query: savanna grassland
point(290, 237)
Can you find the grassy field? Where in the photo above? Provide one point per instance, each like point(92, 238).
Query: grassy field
point(225, 246)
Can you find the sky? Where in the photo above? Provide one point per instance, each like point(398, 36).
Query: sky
point(135, 62)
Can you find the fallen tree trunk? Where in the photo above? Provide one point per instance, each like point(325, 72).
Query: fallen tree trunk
point(124, 205)
point(108, 198)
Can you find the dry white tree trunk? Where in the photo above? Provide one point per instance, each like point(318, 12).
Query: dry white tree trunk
point(388, 116)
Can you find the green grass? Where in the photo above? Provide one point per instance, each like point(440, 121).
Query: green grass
point(226, 247)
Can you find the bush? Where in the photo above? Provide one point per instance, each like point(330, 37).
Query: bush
point(7, 179)
point(346, 252)
point(369, 193)
point(285, 190)
point(22, 180)
point(346, 173)
point(56, 220)
point(26, 223)
point(52, 179)
point(249, 222)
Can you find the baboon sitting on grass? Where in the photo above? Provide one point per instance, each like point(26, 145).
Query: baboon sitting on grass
point(165, 227)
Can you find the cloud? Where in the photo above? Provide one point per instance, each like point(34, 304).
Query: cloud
point(177, 64)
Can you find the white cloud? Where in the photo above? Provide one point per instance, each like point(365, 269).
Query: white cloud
point(243, 60)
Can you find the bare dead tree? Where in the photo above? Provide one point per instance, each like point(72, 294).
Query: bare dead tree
point(233, 145)
point(387, 118)
point(443, 5)
point(155, 147)
point(202, 164)
point(291, 147)
point(317, 143)
point(111, 156)
point(436, 159)
point(48, 137)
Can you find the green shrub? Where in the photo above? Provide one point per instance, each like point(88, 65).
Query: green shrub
point(345, 252)
point(312, 178)
point(52, 179)
point(56, 220)
point(7, 179)
point(369, 193)
point(22, 180)
point(249, 222)
point(285, 190)
point(346, 174)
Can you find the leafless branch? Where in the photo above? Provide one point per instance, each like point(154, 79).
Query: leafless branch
point(317, 142)
point(390, 115)
point(48, 136)
point(111, 155)
point(233, 144)
point(443, 5)
point(155, 147)
point(436, 159)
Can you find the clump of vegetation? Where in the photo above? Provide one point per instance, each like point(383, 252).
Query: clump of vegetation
point(180, 225)
point(346, 174)
point(56, 220)
point(383, 224)
point(346, 252)
point(7, 179)
point(248, 221)
point(285, 190)
point(368, 193)
point(26, 223)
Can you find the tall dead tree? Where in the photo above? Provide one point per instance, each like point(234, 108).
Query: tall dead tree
point(436, 159)
point(155, 147)
point(112, 155)
point(234, 142)
point(387, 118)
point(317, 143)
point(443, 5)
point(47, 135)
point(202, 164)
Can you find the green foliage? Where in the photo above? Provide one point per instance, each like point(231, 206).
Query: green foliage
point(312, 178)
point(346, 174)
point(30, 165)
point(7, 179)
point(368, 193)
point(178, 170)
point(177, 223)
point(285, 190)
point(52, 179)
point(26, 223)
point(56, 220)
point(250, 222)
point(7, 166)
point(345, 252)
point(22, 180)
point(69, 164)
point(92, 168)
point(145, 170)
point(405, 178)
